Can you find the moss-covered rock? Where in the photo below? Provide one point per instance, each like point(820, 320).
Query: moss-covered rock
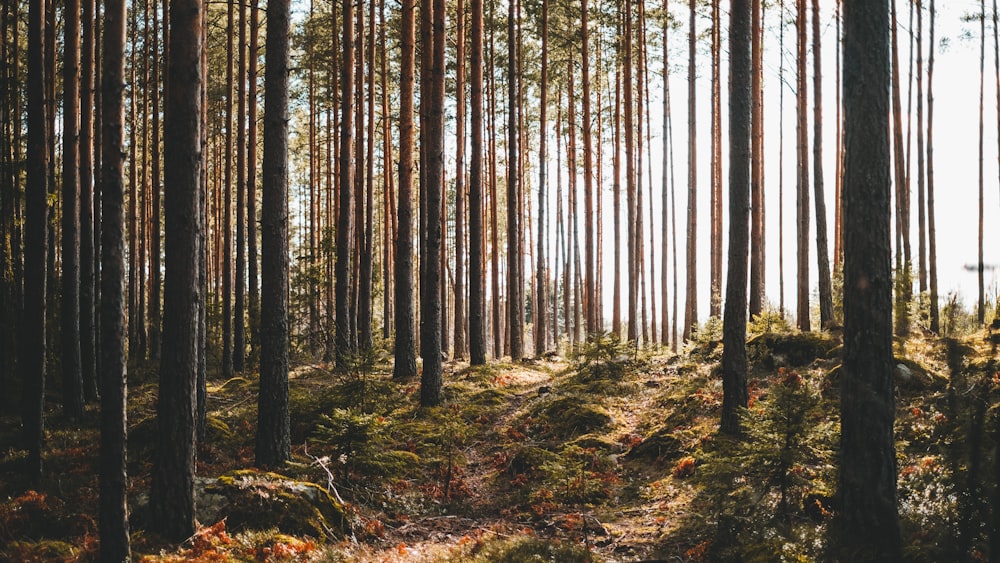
point(661, 445)
point(793, 349)
point(572, 415)
point(258, 500)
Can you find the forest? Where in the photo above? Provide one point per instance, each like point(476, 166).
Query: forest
point(432, 281)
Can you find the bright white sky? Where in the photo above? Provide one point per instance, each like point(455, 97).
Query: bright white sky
point(956, 89)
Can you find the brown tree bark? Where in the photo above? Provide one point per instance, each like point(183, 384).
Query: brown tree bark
point(691, 289)
point(344, 349)
point(477, 306)
point(172, 497)
point(430, 305)
point(88, 363)
point(715, 175)
point(540, 307)
point(935, 324)
point(239, 312)
point(590, 274)
point(365, 305)
point(405, 344)
point(70, 313)
point(802, 179)
point(734, 354)
point(227, 202)
point(460, 219)
point(113, 511)
point(632, 332)
point(901, 187)
point(251, 218)
point(273, 443)
point(757, 294)
point(515, 278)
point(822, 247)
point(869, 522)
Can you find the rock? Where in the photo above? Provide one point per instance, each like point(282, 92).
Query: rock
point(259, 500)
point(662, 445)
point(543, 390)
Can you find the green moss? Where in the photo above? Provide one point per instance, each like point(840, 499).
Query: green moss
point(568, 416)
point(42, 550)
point(662, 445)
point(259, 500)
point(772, 349)
point(527, 550)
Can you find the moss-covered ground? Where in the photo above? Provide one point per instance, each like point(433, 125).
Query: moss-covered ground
point(608, 455)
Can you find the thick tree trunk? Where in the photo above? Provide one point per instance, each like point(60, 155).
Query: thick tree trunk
point(867, 474)
point(430, 305)
point(345, 232)
point(734, 353)
point(172, 497)
point(405, 344)
point(273, 434)
point(113, 511)
point(477, 306)
point(72, 374)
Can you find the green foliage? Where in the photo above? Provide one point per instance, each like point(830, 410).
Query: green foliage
point(768, 321)
point(782, 468)
point(527, 550)
point(571, 415)
point(360, 442)
point(580, 475)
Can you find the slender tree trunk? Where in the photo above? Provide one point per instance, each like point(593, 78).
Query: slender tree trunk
point(346, 197)
point(691, 290)
point(802, 180)
point(757, 294)
point(273, 443)
point(494, 228)
point(460, 185)
point(869, 522)
point(665, 178)
point(781, 163)
point(72, 374)
point(227, 202)
point(477, 333)
point(590, 273)
point(901, 187)
point(715, 188)
point(365, 308)
point(573, 251)
point(430, 305)
point(921, 194)
point(822, 247)
point(389, 209)
point(734, 354)
point(172, 497)
point(616, 170)
point(630, 188)
point(981, 307)
point(251, 218)
point(515, 280)
point(113, 512)
point(239, 314)
point(540, 298)
point(935, 324)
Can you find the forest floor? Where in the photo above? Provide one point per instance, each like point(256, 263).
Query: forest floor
point(613, 455)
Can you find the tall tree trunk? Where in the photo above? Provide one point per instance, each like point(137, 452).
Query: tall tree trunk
point(757, 294)
point(616, 171)
point(346, 197)
point(630, 188)
point(715, 180)
point(802, 180)
point(901, 188)
point(477, 333)
point(540, 298)
point(239, 313)
point(227, 203)
point(590, 273)
point(251, 218)
point(734, 353)
point(365, 340)
point(430, 305)
point(515, 281)
point(822, 247)
point(573, 250)
point(172, 497)
point(869, 522)
point(981, 307)
point(935, 324)
point(665, 178)
point(405, 344)
point(389, 209)
point(921, 194)
point(72, 374)
point(155, 296)
point(460, 184)
point(113, 511)
point(273, 445)
point(781, 163)
point(33, 338)
point(691, 289)
point(88, 363)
